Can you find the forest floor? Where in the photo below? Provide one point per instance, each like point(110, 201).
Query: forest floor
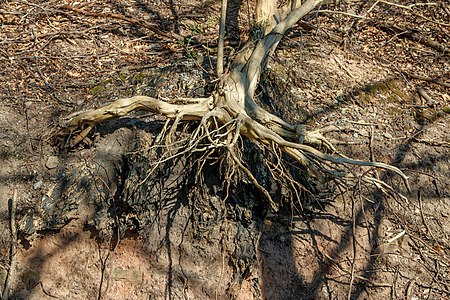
point(382, 80)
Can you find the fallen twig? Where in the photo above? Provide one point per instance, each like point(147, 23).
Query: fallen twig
point(419, 196)
point(344, 68)
point(134, 21)
point(410, 8)
point(339, 12)
point(12, 255)
point(415, 36)
point(428, 79)
point(424, 95)
point(432, 143)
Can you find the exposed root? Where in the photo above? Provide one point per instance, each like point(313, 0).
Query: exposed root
point(218, 129)
point(123, 107)
point(231, 112)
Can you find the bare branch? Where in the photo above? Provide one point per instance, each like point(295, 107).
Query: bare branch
point(122, 107)
point(134, 21)
point(221, 39)
point(13, 249)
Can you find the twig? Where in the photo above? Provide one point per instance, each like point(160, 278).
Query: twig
point(12, 255)
point(409, 286)
point(345, 68)
point(406, 6)
point(419, 196)
point(394, 284)
point(396, 237)
point(46, 292)
point(428, 79)
point(414, 36)
point(339, 12)
point(353, 261)
point(371, 134)
point(142, 23)
point(372, 7)
point(409, 7)
point(377, 284)
point(112, 190)
point(432, 143)
point(424, 95)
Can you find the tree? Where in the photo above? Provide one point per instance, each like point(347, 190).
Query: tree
point(231, 112)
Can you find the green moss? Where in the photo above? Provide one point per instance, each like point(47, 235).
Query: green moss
point(366, 98)
point(395, 87)
point(375, 88)
point(139, 77)
point(97, 90)
point(30, 278)
point(123, 77)
point(394, 110)
point(392, 90)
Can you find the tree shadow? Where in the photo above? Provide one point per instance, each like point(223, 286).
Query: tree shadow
point(167, 195)
point(281, 270)
point(232, 22)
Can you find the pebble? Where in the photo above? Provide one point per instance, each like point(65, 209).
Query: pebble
point(52, 162)
point(38, 183)
point(387, 135)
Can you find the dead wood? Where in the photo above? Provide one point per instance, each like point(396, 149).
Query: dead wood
point(232, 107)
point(13, 248)
point(130, 20)
point(414, 35)
point(428, 79)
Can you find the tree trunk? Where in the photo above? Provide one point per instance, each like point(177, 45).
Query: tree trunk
point(265, 14)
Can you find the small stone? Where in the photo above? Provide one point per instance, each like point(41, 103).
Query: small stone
point(38, 184)
point(387, 135)
point(52, 162)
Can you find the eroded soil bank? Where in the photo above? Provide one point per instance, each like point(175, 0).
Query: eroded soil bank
point(94, 223)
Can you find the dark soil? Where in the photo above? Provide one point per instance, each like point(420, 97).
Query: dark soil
point(115, 218)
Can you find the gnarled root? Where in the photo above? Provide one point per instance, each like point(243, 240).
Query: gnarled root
point(220, 127)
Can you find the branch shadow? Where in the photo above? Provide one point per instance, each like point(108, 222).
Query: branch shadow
point(281, 270)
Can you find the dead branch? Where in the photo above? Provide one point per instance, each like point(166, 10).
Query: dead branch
point(410, 8)
point(326, 11)
point(122, 107)
point(428, 79)
point(414, 36)
point(424, 95)
point(130, 20)
point(13, 249)
point(432, 143)
point(221, 39)
point(340, 268)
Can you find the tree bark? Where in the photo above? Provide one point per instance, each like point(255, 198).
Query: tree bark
point(265, 14)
